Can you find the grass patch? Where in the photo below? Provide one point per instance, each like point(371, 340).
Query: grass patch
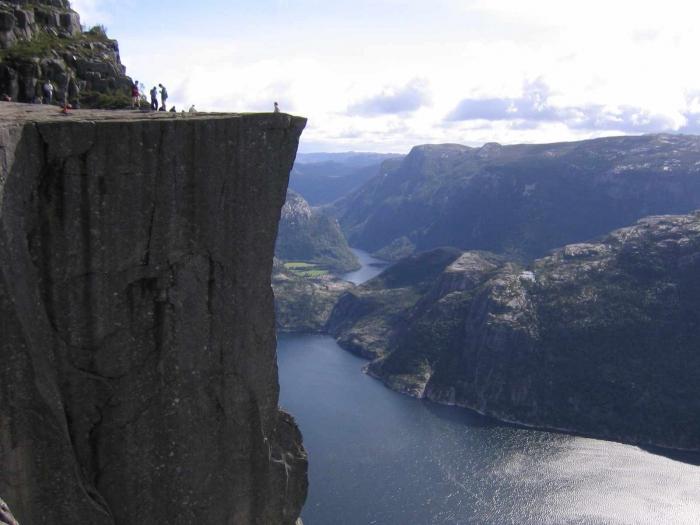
point(304, 269)
point(110, 100)
point(42, 44)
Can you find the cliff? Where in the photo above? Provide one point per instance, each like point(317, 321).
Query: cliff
point(522, 200)
point(138, 378)
point(599, 338)
point(43, 40)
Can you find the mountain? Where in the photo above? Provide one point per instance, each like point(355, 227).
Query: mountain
point(312, 236)
point(304, 299)
point(43, 40)
point(325, 177)
point(522, 200)
point(139, 370)
point(598, 338)
point(364, 319)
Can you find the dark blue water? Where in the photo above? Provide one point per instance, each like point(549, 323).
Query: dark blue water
point(377, 457)
point(371, 267)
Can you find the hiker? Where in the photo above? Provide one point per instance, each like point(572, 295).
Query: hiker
point(192, 109)
point(154, 99)
point(163, 95)
point(48, 92)
point(277, 108)
point(135, 96)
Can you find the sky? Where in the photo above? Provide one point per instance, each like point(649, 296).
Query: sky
point(385, 75)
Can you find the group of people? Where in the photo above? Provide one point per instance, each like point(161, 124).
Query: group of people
point(136, 97)
point(154, 106)
point(45, 93)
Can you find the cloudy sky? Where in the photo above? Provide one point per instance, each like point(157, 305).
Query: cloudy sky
point(384, 75)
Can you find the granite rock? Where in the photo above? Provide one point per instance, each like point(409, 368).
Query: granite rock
point(138, 376)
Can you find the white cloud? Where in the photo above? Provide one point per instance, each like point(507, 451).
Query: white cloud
point(543, 70)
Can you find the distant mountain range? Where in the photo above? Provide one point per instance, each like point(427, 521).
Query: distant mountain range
point(520, 200)
point(322, 178)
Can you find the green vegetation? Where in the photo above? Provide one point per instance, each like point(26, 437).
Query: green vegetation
point(305, 269)
point(109, 100)
point(311, 235)
point(45, 44)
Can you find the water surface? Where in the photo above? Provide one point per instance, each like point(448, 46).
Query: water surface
point(377, 457)
point(371, 267)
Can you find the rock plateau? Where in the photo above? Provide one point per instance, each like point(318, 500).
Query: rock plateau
point(138, 376)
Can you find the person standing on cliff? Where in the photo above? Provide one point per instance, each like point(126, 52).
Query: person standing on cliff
point(135, 95)
point(163, 95)
point(48, 92)
point(154, 99)
point(277, 108)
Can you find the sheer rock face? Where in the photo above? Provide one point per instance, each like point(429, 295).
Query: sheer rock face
point(138, 378)
point(599, 338)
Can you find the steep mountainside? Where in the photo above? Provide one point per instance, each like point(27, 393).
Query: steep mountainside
point(599, 338)
point(521, 200)
point(312, 236)
point(303, 303)
point(322, 178)
point(138, 376)
point(42, 40)
point(364, 319)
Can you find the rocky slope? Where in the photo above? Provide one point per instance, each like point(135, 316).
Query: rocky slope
point(312, 236)
point(304, 304)
point(42, 40)
point(521, 200)
point(138, 378)
point(365, 318)
point(598, 338)
point(6, 517)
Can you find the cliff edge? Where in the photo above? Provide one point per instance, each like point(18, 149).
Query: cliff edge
point(138, 377)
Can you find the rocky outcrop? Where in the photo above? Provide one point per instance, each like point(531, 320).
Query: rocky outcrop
point(304, 304)
point(6, 517)
point(365, 318)
point(523, 200)
point(313, 236)
point(138, 378)
point(599, 338)
point(42, 40)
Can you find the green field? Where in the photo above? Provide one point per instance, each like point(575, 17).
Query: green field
point(304, 269)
